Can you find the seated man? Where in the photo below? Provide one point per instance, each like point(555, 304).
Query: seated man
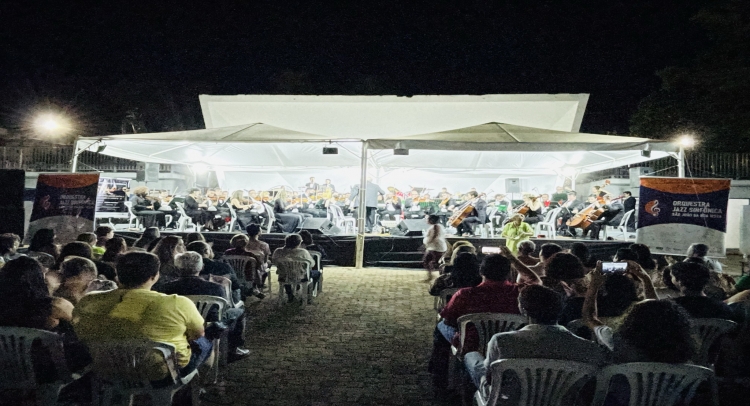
point(691, 279)
point(135, 311)
point(541, 338)
point(291, 251)
point(211, 267)
point(190, 283)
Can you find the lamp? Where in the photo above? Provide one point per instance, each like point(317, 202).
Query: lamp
point(101, 148)
point(646, 151)
point(400, 149)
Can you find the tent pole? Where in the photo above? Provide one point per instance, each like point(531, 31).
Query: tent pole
point(681, 162)
point(74, 161)
point(362, 212)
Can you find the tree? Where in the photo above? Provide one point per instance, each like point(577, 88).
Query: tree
point(708, 98)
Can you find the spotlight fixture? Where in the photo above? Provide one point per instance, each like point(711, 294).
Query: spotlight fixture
point(330, 151)
point(646, 151)
point(101, 148)
point(400, 149)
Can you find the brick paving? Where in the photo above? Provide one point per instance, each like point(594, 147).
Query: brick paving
point(365, 341)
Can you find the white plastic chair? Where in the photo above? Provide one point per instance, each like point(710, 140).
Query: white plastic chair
point(184, 221)
point(337, 217)
point(707, 332)
point(622, 229)
point(317, 256)
point(133, 218)
point(239, 263)
point(17, 370)
point(543, 382)
point(442, 299)
point(271, 217)
point(123, 366)
point(205, 305)
point(293, 272)
point(574, 326)
point(233, 218)
point(655, 384)
point(549, 225)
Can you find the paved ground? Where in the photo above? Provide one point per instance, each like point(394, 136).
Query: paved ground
point(366, 342)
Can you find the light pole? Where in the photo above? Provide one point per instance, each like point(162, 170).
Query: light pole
point(686, 141)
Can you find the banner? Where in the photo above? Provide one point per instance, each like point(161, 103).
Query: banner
point(111, 196)
point(676, 212)
point(64, 203)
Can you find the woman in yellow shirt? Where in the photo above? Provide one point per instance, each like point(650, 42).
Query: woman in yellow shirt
point(516, 231)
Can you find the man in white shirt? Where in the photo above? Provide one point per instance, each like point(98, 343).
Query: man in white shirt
point(541, 338)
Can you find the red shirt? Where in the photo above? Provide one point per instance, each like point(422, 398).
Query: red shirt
point(488, 297)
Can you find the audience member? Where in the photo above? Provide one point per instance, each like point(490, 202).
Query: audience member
point(459, 248)
point(581, 251)
point(291, 251)
point(90, 239)
point(83, 250)
point(700, 251)
point(189, 265)
point(212, 267)
point(541, 338)
point(525, 249)
point(643, 253)
point(103, 233)
point(135, 311)
point(434, 243)
point(309, 245)
point(9, 244)
point(239, 244)
point(79, 277)
point(43, 247)
point(149, 235)
point(115, 247)
point(255, 245)
point(464, 273)
point(194, 237)
point(545, 253)
point(691, 279)
point(167, 248)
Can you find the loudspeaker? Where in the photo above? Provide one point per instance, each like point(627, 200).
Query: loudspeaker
point(636, 173)
point(317, 225)
point(410, 228)
point(146, 172)
point(512, 185)
point(14, 182)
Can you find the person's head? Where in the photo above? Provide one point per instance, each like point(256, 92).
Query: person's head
point(659, 329)
point(9, 243)
point(559, 189)
point(545, 197)
point(151, 233)
point(465, 269)
point(307, 238)
point(141, 191)
point(114, 247)
point(239, 195)
point(627, 194)
point(499, 197)
point(433, 219)
point(591, 198)
point(88, 238)
point(526, 248)
point(253, 230)
point(625, 254)
point(252, 193)
point(43, 238)
point(312, 179)
point(495, 267)
point(690, 277)
point(104, 233)
point(548, 250)
point(194, 192)
point(201, 248)
point(581, 251)
point(292, 241)
point(136, 269)
point(571, 195)
point(697, 250)
point(473, 194)
point(516, 219)
point(167, 248)
point(211, 195)
point(78, 268)
point(563, 266)
point(23, 277)
point(644, 256)
point(189, 263)
point(194, 237)
point(414, 194)
point(540, 304)
point(617, 294)
point(238, 241)
point(75, 249)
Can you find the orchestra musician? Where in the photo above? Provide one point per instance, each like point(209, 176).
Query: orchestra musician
point(502, 204)
point(412, 210)
point(328, 187)
point(477, 216)
point(195, 207)
point(371, 201)
point(312, 185)
point(628, 205)
point(570, 208)
point(392, 207)
point(536, 208)
point(559, 196)
point(244, 209)
point(288, 222)
point(613, 212)
point(147, 207)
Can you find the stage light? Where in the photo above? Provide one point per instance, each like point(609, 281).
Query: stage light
point(687, 141)
point(200, 168)
point(50, 123)
point(400, 149)
point(646, 152)
point(330, 151)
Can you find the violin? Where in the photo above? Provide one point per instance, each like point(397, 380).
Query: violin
point(524, 208)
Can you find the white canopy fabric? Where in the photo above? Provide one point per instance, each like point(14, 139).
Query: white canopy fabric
point(370, 117)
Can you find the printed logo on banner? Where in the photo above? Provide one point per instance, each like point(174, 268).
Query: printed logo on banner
point(676, 212)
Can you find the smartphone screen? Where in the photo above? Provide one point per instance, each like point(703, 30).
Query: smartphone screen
point(608, 267)
point(490, 250)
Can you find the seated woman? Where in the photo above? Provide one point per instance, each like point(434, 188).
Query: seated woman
point(43, 247)
point(251, 271)
point(79, 277)
point(455, 250)
point(309, 245)
point(167, 248)
point(464, 274)
point(114, 248)
point(525, 249)
point(9, 244)
point(243, 208)
point(288, 222)
point(292, 251)
point(149, 235)
point(260, 249)
point(152, 217)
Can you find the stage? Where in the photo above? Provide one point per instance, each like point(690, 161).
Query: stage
point(386, 250)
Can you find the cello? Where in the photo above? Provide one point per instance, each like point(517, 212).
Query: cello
point(585, 217)
point(460, 213)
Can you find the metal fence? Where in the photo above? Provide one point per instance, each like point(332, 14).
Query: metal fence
point(57, 159)
point(700, 165)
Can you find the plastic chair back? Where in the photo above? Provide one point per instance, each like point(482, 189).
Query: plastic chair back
point(317, 256)
point(489, 324)
point(293, 272)
point(211, 308)
point(133, 218)
point(707, 332)
point(271, 217)
point(233, 217)
point(543, 382)
point(443, 298)
point(16, 368)
point(653, 383)
point(239, 264)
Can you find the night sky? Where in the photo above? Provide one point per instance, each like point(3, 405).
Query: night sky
point(100, 60)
